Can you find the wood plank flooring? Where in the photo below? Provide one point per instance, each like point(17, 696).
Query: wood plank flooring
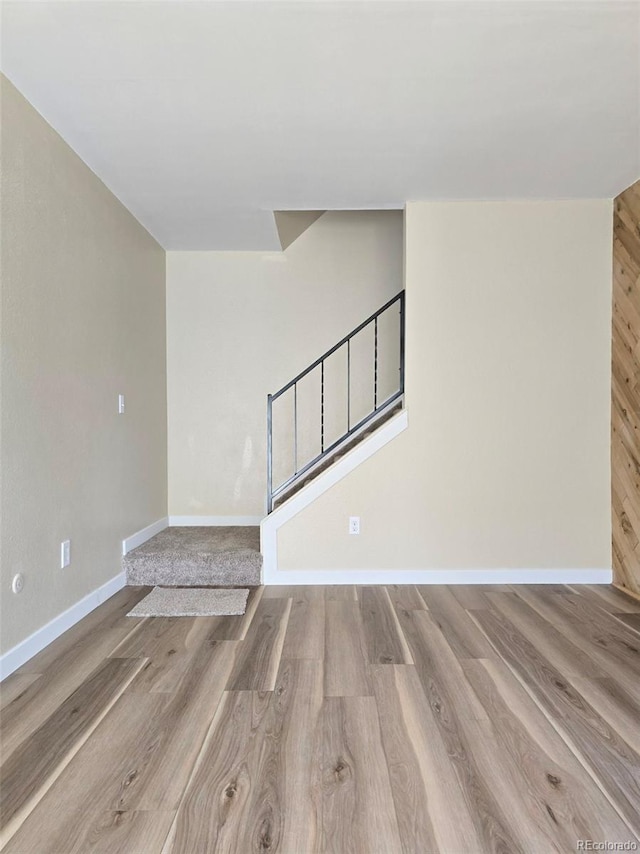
point(353, 720)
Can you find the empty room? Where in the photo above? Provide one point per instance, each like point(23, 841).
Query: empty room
point(319, 426)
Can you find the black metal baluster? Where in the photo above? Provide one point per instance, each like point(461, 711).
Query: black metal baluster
point(295, 428)
point(322, 407)
point(269, 453)
point(402, 342)
point(375, 365)
point(348, 385)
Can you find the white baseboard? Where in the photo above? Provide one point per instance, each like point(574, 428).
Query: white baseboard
point(325, 480)
point(26, 649)
point(440, 576)
point(145, 534)
point(212, 521)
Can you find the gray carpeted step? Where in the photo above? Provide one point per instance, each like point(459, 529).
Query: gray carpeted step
point(198, 556)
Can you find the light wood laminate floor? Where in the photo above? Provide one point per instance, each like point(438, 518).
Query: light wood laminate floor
point(366, 720)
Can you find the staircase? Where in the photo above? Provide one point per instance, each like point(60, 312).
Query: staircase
point(309, 449)
point(387, 352)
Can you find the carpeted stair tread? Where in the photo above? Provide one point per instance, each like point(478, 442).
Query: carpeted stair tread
point(193, 556)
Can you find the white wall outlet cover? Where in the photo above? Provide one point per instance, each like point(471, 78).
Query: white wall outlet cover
point(120, 404)
point(65, 553)
point(354, 524)
point(17, 583)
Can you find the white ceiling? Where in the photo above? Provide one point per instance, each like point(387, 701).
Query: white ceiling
point(203, 117)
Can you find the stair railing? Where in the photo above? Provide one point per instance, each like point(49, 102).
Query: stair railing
point(274, 491)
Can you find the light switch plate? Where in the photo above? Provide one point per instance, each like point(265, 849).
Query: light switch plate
point(65, 554)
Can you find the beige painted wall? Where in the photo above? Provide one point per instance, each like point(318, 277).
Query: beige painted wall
point(505, 463)
point(83, 319)
point(291, 224)
point(240, 325)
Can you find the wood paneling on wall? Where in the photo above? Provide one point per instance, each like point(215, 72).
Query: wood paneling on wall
point(625, 408)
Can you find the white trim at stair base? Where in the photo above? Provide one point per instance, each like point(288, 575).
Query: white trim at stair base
point(145, 534)
point(440, 576)
point(213, 521)
point(26, 649)
point(325, 480)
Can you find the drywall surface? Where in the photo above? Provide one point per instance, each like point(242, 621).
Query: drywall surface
point(505, 462)
point(291, 224)
point(242, 324)
point(204, 116)
point(625, 392)
point(83, 319)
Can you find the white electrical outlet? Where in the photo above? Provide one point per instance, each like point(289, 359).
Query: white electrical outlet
point(65, 554)
point(354, 524)
point(120, 404)
point(17, 583)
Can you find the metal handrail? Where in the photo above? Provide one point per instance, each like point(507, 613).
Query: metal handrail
point(397, 298)
point(298, 473)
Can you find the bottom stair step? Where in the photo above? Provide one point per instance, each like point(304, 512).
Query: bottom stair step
point(197, 556)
